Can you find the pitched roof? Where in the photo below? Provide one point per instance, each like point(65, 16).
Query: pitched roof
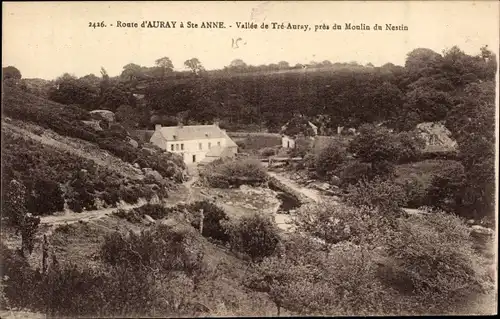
point(192, 132)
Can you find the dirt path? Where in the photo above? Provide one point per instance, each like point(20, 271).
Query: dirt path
point(72, 217)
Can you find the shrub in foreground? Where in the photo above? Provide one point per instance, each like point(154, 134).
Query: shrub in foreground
point(214, 219)
point(255, 235)
point(433, 261)
point(333, 224)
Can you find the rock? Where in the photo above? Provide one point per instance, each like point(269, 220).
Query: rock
point(325, 186)
point(229, 203)
point(335, 180)
point(154, 175)
point(104, 114)
point(480, 230)
point(321, 186)
point(245, 189)
point(470, 222)
point(149, 150)
point(93, 125)
point(149, 219)
point(133, 143)
point(136, 165)
point(153, 187)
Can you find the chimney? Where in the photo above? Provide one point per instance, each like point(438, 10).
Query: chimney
point(157, 127)
point(180, 125)
point(216, 123)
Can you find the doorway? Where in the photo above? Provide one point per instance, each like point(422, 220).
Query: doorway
point(194, 158)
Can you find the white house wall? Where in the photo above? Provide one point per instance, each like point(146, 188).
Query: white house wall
point(191, 148)
point(287, 142)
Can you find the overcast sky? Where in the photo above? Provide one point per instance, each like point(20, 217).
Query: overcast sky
point(45, 40)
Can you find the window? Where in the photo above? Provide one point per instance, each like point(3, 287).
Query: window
point(171, 147)
point(218, 143)
point(209, 145)
point(176, 147)
point(199, 146)
point(182, 147)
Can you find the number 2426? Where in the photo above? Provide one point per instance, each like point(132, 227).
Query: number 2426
point(97, 24)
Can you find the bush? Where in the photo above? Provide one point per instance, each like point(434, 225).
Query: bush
point(161, 247)
point(67, 121)
point(45, 197)
point(446, 188)
point(268, 151)
point(52, 176)
point(255, 235)
point(385, 195)
point(352, 172)
point(225, 173)
point(416, 192)
point(329, 159)
point(334, 223)
point(241, 144)
point(410, 146)
point(14, 203)
point(434, 262)
point(214, 219)
point(156, 211)
point(383, 148)
point(68, 291)
point(302, 147)
point(307, 282)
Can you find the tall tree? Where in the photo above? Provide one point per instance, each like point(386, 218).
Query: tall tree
point(237, 64)
point(283, 65)
point(105, 83)
point(194, 65)
point(11, 72)
point(131, 71)
point(165, 64)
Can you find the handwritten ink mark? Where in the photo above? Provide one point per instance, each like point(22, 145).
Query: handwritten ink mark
point(235, 45)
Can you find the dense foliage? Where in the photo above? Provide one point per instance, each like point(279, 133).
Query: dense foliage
point(376, 265)
point(223, 173)
point(255, 235)
point(67, 121)
point(52, 177)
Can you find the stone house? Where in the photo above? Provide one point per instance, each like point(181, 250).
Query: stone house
point(195, 143)
point(289, 141)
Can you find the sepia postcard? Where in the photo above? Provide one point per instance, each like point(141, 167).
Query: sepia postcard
point(243, 158)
